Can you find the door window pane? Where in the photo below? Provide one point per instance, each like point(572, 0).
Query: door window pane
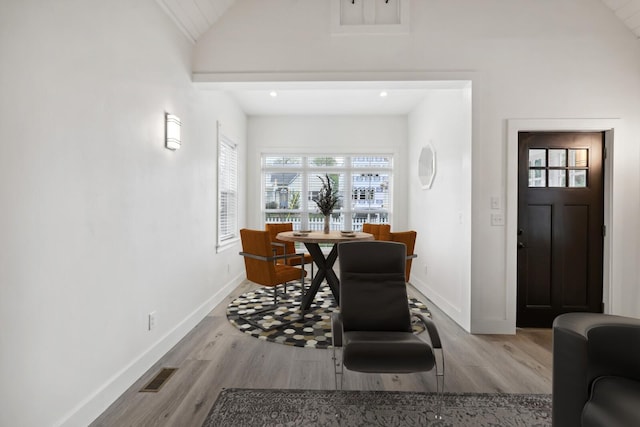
point(537, 178)
point(578, 158)
point(557, 178)
point(553, 167)
point(557, 158)
point(577, 178)
point(537, 157)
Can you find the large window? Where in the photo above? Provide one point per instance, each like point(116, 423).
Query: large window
point(227, 191)
point(291, 182)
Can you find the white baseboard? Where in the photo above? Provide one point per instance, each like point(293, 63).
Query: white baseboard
point(475, 326)
point(454, 312)
point(96, 403)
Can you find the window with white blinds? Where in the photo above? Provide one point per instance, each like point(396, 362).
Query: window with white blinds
point(227, 191)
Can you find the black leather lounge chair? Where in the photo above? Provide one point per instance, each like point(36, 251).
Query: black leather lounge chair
point(596, 371)
point(373, 328)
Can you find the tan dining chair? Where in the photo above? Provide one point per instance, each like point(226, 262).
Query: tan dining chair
point(379, 231)
point(261, 268)
point(409, 240)
point(288, 249)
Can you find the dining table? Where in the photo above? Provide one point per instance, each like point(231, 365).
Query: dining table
point(312, 241)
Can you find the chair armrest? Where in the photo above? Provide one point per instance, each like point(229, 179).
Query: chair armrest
point(336, 329)
point(285, 255)
point(587, 346)
point(434, 336)
point(411, 256)
point(282, 246)
point(301, 255)
point(264, 258)
point(611, 343)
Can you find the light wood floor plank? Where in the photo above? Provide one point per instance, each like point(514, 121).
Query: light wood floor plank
point(215, 355)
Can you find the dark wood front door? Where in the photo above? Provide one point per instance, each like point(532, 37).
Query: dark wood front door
point(560, 225)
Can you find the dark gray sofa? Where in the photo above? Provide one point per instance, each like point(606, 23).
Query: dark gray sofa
point(596, 370)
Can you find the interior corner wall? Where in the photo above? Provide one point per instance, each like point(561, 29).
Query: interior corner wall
point(326, 134)
point(101, 225)
point(442, 214)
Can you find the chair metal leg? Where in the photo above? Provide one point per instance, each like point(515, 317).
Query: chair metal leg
point(439, 381)
point(338, 368)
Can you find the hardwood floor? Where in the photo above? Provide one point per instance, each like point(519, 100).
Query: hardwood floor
point(215, 355)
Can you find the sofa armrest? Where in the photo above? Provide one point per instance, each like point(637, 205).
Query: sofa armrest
point(585, 347)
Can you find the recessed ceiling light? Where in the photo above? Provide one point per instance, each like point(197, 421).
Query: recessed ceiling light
point(273, 93)
point(383, 94)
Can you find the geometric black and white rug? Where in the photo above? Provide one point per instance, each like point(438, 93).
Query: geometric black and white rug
point(247, 407)
point(313, 331)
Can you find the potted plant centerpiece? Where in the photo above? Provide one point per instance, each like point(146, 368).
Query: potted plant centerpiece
point(327, 199)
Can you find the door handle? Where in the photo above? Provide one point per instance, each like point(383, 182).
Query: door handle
point(521, 245)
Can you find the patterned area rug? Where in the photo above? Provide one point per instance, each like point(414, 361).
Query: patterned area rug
point(243, 407)
point(314, 330)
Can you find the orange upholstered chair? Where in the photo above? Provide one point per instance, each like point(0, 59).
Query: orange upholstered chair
point(261, 268)
point(287, 248)
point(379, 231)
point(409, 239)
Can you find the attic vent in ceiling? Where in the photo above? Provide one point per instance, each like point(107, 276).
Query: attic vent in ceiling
point(369, 16)
point(159, 380)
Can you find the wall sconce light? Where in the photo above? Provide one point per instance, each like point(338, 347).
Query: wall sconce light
point(172, 131)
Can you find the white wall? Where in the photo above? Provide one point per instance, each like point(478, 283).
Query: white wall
point(327, 134)
point(100, 224)
point(442, 214)
point(526, 59)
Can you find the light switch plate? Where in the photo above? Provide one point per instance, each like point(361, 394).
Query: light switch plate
point(497, 220)
point(495, 202)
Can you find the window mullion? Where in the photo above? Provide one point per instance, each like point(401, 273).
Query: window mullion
point(347, 201)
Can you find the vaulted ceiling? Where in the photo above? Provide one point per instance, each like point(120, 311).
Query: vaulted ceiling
point(628, 11)
point(195, 17)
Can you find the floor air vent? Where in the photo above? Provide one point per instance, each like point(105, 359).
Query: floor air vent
point(159, 380)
